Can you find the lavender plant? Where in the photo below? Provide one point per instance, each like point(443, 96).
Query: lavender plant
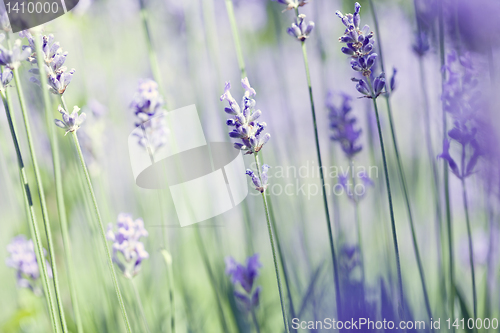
point(245, 276)
point(129, 251)
point(363, 59)
point(71, 123)
point(250, 132)
point(460, 99)
point(301, 31)
point(23, 260)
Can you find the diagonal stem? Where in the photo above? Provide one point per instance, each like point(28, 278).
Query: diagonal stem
point(32, 215)
point(43, 203)
point(139, 304)
point(271, 239)
point(325, 199)
point(101, 229)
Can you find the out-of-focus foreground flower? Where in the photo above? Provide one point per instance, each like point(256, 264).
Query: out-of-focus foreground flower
point(23, 260)
point(128, 250)
point(245, 276)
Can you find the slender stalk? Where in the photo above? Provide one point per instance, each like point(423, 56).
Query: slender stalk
point(56, 161)
point(139, 304)
point(271, 239)
point(153, 59)
point(236, 38)
point(401, 171)
point(41, 194)
point(320, 165)
point(103, 232)
point(35, 234)
point(170, 278)
point(446, 174)
point(255, 321)
point(469, 235)
point(206, 262)
point(391, 208)
point(358, 221)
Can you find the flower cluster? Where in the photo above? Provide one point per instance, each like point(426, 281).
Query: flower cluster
point(70, 122)
point(245, 276)
point(23, 260)
point(244, 121)
point(359, 45)
point(147, 106)
point(58, 76)
point(461, 99)
point(301, 29)
point(260, 184)
point(342, 126)
point(353, 192)
point(13, 58)
point(292, 4)
point(126, 241)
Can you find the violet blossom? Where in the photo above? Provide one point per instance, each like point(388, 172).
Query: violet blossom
point(260, 184)
point(128, 250)
point(70, 122)
point(301, 29)
point(245, 276)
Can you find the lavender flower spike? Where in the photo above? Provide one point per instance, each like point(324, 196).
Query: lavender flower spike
point(58, 76)
point(245, 276)
point(244, 120)
point(342, 126)
point(12, 58)
point(71, 123)
point(260, 186)
point(300, 29)
point(359, 46)
point(23, 260)
point(126, 242)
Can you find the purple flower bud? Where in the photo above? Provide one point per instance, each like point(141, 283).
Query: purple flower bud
point(363, 88)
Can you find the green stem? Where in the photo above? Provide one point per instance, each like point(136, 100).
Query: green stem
point(103, 232)
point(56, 161)
point(401, 171)
point(35, 234)
point(41, 194)
point(211, 276)
point(170, 278)
point(325, 199)
point(271, 239)
point(446, 174)
point(139, 304)
point(469, 235)
point(358, 221)
point(255, 321)
point(236, 38)
point(153, 59)
point(391, 208)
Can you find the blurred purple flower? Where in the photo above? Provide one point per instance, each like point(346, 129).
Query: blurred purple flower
point(23, 260)
point(244, 122)
point(461, 99)
point(359, 45)
point(58, 76)
point(260, 186)
point(70, 122)
point(13, 58)
point(245, 276)
point(342, 125)
point(301, 29)
point(421, 44)
point(126, 242)
point(353, 192)
point(148, 106)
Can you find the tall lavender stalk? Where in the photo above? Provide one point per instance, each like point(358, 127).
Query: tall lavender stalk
point(251, 133)
point(71, 123)
point(41, 195)
point(31, 212)
point(401, 173)
point(359, 45)
point(236, 38)
point(301, 30)
point(446, 187)
point(56, 161)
